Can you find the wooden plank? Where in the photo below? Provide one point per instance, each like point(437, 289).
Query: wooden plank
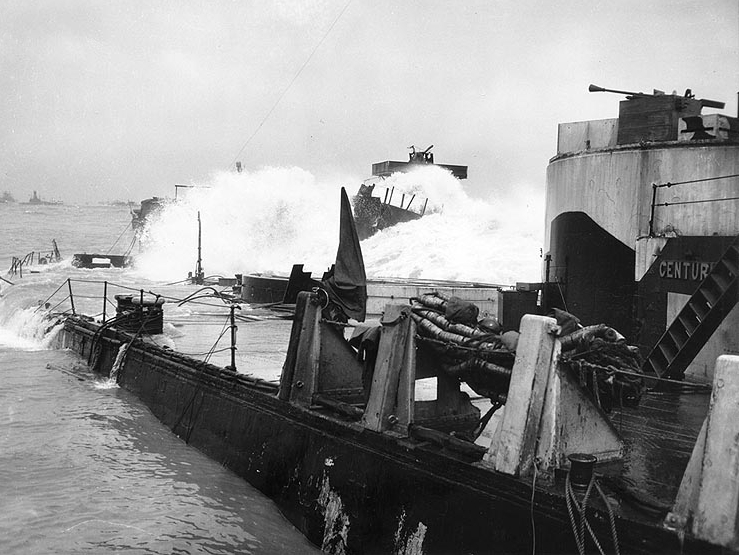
point(716, 516)
point(406, 396)
point(307, 358)
point(519, 427)
point(391, 357)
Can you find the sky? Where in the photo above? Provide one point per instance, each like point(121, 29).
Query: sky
point(121, 100)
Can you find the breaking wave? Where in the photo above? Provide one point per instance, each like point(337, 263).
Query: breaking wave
point(265, 221)
point(26, 329)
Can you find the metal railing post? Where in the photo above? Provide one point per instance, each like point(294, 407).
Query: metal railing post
point(233, 338)
point(651, 214)
point(105, 298)
point(71, 297)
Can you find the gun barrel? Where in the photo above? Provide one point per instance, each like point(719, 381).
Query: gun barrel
point(712, 103)
point(596, 88)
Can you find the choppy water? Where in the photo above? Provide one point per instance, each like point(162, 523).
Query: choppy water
point(87, 469)
point(84, 467)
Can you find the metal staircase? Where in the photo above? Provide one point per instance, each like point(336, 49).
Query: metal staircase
point(698, 319)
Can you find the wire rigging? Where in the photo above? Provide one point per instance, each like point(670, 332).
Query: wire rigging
point(670, 184)
point(290, 84)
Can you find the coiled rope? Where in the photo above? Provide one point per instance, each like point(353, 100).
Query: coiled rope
point(579, 527)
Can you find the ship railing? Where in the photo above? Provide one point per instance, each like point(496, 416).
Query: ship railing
point(34, 257)
point(388, 201)
point(656, 186)
point(65, 300)
point(390, 193)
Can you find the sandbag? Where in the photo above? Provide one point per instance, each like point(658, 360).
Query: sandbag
point(459, 311)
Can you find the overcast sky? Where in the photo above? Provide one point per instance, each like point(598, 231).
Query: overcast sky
point(110, 99)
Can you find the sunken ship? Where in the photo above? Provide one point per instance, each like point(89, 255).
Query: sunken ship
point(373, 214)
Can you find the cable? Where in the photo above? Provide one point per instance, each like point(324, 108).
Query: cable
point(696, 201)
point(119, 238)
point(295, 77)
point(669, 184)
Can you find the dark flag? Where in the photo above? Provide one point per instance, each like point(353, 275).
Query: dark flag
point(346, 282)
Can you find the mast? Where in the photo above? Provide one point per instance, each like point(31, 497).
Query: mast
point(199, 265)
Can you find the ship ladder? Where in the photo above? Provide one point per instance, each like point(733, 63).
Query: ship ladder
point(698, 319)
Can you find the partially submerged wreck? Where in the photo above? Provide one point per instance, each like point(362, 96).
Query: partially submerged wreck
point(358, 464)
point(361, 461)
point(89, 260)
point(373, 214)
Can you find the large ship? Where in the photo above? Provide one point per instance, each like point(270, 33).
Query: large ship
point(36, 199)
point(641, 228)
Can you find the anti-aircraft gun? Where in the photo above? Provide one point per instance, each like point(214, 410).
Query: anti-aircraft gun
point(644, 117)
point(706, 103)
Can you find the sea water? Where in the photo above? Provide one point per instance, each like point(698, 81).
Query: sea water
point(84, 466)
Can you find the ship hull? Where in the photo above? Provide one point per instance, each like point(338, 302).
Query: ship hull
point(348, 489)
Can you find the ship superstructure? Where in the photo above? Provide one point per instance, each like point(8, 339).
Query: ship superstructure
point(641, 223)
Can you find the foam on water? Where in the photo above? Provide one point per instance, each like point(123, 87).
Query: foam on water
point(23, 327)
point(251, 222)
point(266, 221)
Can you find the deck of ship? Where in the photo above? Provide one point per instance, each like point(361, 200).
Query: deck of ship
point(659, 434)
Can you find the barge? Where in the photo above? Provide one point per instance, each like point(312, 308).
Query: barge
point(374, 468)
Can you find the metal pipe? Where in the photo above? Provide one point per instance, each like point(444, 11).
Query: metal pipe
point(402, 200)
point(71, 297)
point(424, 207)
point(199, 266)
point(410, 201)
point(233, 338)
point(651, 215)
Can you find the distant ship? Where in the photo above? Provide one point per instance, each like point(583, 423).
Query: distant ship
point(373, 214)
point(6, 197)
point(35, 199)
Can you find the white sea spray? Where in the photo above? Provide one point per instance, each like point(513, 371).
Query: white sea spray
point(265, 221)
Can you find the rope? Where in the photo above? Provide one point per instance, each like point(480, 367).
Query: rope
point(50, 296)
point(208, 353)
point(562, 295)
point(119, 238)
point(189, 406)
point(578, 528)
point(611, 518)
point(130, 247)
point(126, 288)
point(699, 386)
